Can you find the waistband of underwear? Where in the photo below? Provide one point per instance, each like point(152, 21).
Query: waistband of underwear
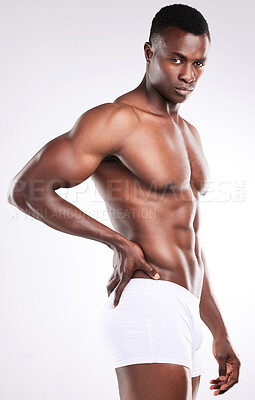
point(159, 285)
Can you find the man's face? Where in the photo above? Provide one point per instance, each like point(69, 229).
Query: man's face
point(176, 62)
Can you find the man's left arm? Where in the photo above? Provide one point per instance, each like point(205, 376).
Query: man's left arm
point(229, 363)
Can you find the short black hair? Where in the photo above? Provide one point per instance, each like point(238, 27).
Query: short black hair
point(181, 16)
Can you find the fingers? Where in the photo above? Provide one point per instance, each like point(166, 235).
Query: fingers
point(152, 272)
point(232, 378)
point(218, 383)
point(218, 380)
point(220, 389)
point(112, 282)
point(126, 278)
point(119, 289)
point(231, 382)
point(217, 392)
point(223, 387)
point(222, 366)
point(111, 285)
point(224, 383)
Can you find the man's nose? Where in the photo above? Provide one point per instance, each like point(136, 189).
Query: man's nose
point(187, 74)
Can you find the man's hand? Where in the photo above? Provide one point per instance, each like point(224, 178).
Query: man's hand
point(229, 365)
point(127, 258)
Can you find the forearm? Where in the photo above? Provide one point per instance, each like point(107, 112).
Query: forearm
point(209, 309)
point(61, 215)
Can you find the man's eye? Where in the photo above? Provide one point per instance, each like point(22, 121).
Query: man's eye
point(200, 64)
point(175, 60)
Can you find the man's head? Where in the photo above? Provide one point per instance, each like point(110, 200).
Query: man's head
point(181, 16)
point(176, 51)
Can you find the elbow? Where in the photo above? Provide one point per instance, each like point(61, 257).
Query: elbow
point(16, 192)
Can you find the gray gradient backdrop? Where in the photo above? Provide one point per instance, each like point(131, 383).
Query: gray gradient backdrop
point(58, 59)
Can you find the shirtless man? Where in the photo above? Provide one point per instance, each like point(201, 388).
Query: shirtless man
point(148, 164)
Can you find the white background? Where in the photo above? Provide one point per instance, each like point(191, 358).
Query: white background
point(58, 59)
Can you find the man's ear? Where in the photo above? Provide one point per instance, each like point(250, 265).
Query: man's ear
point(147, 51)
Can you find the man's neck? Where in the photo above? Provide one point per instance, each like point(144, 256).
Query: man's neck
point(154, 101)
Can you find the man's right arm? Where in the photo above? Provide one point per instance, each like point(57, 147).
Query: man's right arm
point(67, 161)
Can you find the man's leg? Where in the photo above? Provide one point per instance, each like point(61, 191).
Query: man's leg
point(155, 381)
point(195, 386)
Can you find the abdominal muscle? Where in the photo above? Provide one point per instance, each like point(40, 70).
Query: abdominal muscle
point(168, 239)
point(171, 262)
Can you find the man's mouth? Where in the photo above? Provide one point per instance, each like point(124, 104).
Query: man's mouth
point(183, 91)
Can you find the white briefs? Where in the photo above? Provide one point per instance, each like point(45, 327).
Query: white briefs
point(156, 321)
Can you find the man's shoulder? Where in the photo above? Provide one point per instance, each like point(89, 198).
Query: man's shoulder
point(191, 127)
point(107, 125)
point(193, 130)
point(112, 113)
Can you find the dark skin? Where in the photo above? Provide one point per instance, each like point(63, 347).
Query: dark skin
point(148, 164)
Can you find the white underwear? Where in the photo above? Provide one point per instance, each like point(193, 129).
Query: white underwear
point(156, 321)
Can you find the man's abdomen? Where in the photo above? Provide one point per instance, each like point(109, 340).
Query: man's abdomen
point(168, 238)
point(176, 264)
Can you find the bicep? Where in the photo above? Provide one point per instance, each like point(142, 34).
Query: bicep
point(72, 157)
point(60, 164)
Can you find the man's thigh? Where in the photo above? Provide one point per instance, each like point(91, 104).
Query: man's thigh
point(195, 386)
point(154, 381)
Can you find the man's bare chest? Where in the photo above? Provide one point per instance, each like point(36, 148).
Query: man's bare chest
point(160, 160)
